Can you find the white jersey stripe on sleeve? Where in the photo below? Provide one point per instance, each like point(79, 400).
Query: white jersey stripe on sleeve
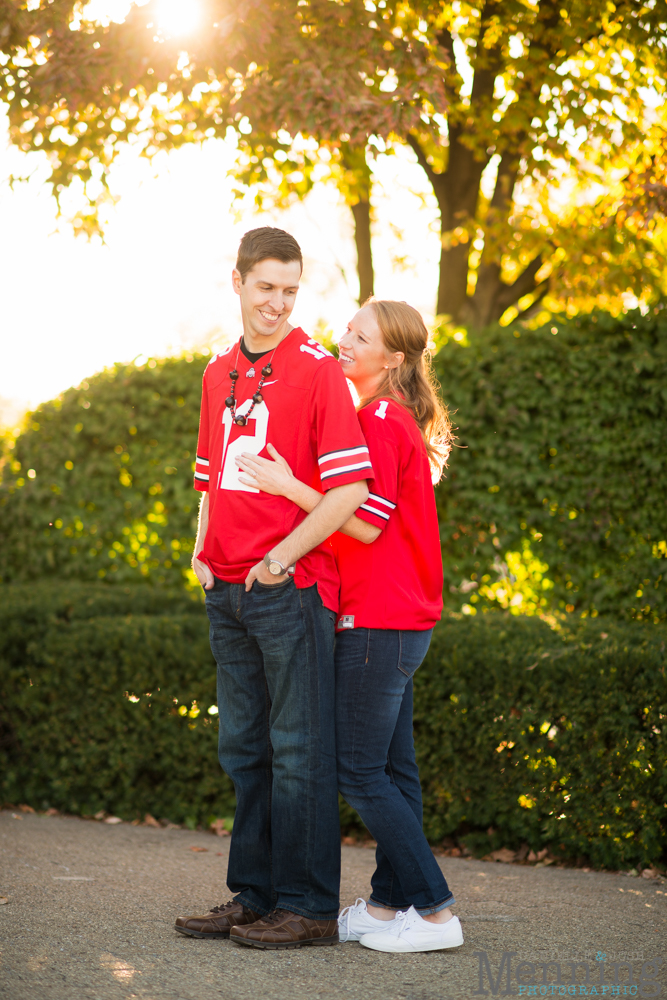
point(379, 499)
point(202, 475)
point(331, 456)
point(372, 510)
point(201, 461)
point(345, 468)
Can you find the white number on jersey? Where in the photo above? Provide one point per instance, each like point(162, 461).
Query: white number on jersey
point(315, 349)
point(228, 478)
point(382, 409)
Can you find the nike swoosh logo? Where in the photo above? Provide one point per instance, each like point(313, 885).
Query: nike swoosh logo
point(271, 383)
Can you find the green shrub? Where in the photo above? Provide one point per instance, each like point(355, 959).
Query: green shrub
point(523, 734)
point(99, 484)
point(105, 694)
point(563, 464)
point(546, 738)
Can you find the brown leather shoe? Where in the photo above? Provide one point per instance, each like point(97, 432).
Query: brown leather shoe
point(218, 922)
point(284, 929)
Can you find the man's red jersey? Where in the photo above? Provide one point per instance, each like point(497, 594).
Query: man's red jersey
point(396, 582)
point(307, 413)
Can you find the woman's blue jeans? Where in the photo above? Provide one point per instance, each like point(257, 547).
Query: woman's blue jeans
point(377, 770)
point(274, 648)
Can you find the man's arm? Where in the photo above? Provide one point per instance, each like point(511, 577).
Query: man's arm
point(307, 498)
point(277, 478)
point(334, 509)
point(201, 570)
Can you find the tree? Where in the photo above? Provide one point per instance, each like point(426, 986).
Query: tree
point(504, 105)
point(81, 90)
point(551, 88)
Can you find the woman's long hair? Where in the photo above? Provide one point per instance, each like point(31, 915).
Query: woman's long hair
point(413, 383)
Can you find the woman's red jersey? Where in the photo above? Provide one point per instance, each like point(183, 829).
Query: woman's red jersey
point(396, 582)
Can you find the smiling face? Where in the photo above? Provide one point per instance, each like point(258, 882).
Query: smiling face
point(267, 298)
point(362, 354)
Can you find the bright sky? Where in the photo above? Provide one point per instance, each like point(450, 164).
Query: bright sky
point(161, 283)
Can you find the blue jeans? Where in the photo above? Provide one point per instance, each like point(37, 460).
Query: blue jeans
point(274, 651)
point(377, 770)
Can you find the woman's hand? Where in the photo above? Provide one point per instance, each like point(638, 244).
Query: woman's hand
point(274, 477)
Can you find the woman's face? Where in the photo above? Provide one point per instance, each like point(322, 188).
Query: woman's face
point(362, 354)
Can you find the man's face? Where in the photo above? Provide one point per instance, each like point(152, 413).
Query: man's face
point(267, 296)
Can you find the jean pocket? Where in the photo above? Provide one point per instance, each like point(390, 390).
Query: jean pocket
point(412, 648)
point(272, 586)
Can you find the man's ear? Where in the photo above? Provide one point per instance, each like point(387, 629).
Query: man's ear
point(237, 281)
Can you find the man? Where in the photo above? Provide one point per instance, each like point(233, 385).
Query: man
point(272, 596)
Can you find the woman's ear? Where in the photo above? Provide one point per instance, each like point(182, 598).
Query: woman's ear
point(396, 360)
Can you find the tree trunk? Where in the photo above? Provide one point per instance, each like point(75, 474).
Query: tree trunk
point(362, 238)
point(356, 188)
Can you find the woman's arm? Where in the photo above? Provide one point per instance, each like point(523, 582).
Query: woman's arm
point(277, 478)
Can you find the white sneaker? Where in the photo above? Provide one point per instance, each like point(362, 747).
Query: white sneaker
point(410, 932)
point(354, 921)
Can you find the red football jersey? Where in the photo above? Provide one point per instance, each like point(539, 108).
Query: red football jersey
point(307, 413)
point(396, 582)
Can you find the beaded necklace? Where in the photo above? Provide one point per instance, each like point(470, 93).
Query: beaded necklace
point(230, 402)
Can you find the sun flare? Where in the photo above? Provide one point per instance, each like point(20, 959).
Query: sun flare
point(178, 17)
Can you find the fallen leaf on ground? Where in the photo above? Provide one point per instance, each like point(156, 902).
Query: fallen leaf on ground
point(3, 900)
point(151, 821)
point(199, 850)
point(16, 816)
point(51, 812)
point(113, 819)
point(100, 815)
point(26, 809)
point(539, 856)
point(650, 873)
point(218, 828)
point(504, 855)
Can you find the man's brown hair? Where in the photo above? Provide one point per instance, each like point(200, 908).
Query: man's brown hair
point(264, 244)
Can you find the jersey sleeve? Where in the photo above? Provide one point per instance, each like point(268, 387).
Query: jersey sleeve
point(385, 456)
point(342, 452)
point(202, 456)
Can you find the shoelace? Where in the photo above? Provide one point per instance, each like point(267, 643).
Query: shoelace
point(401, 921)
point(347, 913)
point(274, 916)
point(223, 907)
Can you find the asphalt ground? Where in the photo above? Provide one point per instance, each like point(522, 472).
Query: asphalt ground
point(91, 907)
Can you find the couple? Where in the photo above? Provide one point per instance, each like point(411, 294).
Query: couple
point(332, 537)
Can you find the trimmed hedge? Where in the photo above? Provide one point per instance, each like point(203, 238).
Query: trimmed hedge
point(104, 694)
point(561, 477)
point(528, 735)
point(523, 734)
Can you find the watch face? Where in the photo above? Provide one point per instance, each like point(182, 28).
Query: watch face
point(275, 568)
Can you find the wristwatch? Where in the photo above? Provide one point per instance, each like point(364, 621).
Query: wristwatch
point(276, 568)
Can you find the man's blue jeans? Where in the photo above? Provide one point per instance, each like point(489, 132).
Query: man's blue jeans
point(274, 651)
point(377, 770)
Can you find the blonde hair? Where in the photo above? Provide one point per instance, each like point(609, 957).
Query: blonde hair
point(413, 384)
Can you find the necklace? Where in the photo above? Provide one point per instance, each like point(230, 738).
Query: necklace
point(230, 402)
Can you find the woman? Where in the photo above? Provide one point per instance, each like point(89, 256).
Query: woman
point(391, 596)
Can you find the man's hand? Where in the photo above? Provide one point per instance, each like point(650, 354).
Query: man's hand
point(260, 572)
point(203, 573)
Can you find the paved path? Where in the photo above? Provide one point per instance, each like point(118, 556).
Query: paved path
point(91, 909)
